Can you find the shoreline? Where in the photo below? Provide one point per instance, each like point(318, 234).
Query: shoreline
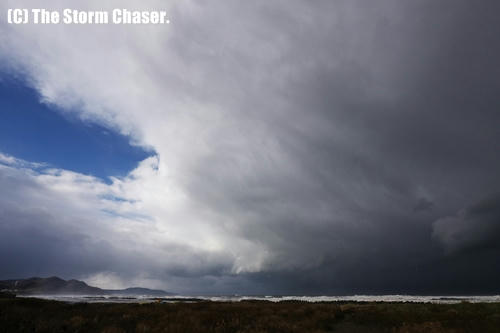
point(435, 299)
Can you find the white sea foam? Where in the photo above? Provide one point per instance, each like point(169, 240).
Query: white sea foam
point(354, 298)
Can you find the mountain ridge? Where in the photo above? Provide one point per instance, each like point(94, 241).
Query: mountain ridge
point(56, 286)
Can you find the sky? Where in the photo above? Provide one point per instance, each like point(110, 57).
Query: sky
point(33, 131)
point(264, 147)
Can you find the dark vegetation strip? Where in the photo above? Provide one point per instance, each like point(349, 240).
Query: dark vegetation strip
point(36, 315)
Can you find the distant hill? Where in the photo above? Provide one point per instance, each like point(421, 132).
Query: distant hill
point(57, 286)
point(137, 291)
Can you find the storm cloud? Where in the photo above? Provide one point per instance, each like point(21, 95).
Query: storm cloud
point(300, 148)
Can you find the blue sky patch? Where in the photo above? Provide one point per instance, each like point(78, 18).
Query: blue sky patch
point(34, 132)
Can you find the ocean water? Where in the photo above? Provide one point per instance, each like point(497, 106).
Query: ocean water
point(354, 298)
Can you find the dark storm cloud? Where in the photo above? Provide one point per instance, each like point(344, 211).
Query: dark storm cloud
point(359, 147)
point(401, 130)
point(30, 243)
point(476, 227)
